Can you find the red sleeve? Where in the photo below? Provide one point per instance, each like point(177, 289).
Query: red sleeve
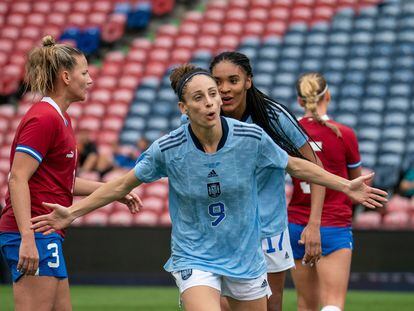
point(353, 158)
point(36, 136)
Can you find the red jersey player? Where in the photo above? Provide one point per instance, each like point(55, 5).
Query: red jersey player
point(43, 161)
point(336, 145)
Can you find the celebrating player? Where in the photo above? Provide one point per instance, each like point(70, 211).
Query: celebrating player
point(215, 244)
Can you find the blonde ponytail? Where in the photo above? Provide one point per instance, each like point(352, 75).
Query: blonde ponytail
point(311, 87)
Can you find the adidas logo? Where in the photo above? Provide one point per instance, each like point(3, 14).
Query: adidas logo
point(212, 174)
point(264, 284)
point(287, 255)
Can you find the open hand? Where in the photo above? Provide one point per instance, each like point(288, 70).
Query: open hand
point(58, 219)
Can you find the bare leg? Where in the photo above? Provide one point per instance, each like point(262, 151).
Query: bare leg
point(224, 304)
point(277, 283)
point(248, 305)
point(35, 293)
point(307, 286)
point(333, 272)
point(62, 299)
point(201, 298)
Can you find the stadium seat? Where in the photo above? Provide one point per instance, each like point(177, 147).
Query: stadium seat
point(120, 218)
point(146, 218)
point(367, 220)
point(396, 220)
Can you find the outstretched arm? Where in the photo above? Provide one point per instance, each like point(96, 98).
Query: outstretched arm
point(62, 217)
point(356, 189)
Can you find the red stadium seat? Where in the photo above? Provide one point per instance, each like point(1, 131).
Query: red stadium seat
point(141, 44)
point(161, 7)
point(396, 220)
point(97, 19)
point(11, 32)
point(157, 189)
point(137, 55)
point(21, 7)
point(258, 14)
point(4, 165)
point(207, 42)
point(42, 7)
point(16, 19)
point(123, 96)
point(101, 95)
point(82, 6)
point(56, 19)
point(233, 28)
point(368, 220)
point(146, 218)
point(36, 19)
point(190, 28)
point(133, 68)
point(112, 123)
point(119, 109)
point(94, 110)
point(163, 42)
point(129, 82)
point(165, 219)
point(254, 28)
point(114, 28)
point(96, 218)
point(211, 28)
point(119, 218)
point(185, 41)
point(104, 6)
point(4, 125)
point(107, 137)
point(106, 82)
point(89, 123)
point(398, 204)
point(155, 69)
point(180, 56)
point(62, 7)
point(168, 30)
point(214, 15)
point(236, 14)
point(7, 110)
point(153, 203)
point(6, 45)
point(75, 110)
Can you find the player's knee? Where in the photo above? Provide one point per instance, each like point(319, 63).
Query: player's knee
point(331, 308)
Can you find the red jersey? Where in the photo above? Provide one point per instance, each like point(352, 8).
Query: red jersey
point(338, 154)
point(47, 135)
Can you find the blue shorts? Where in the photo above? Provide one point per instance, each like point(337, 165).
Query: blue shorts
point(332, 239)
point(51, 260)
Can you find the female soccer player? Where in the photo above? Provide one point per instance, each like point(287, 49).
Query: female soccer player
point(43, 160)
point(215, 244)
point(326, 282)
point(243, 101)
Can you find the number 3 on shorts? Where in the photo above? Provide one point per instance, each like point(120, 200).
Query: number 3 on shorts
point(55, 254)
point(216, 210)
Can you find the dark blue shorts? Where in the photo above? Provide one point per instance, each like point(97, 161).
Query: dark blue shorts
point(51, 260)
point(332, 239)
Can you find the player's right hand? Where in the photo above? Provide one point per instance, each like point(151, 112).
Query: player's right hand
point(28, 256)
point(58, 219)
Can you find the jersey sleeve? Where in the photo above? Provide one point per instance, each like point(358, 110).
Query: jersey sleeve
point(291, 128)
point(270, 154)
point(150, 165)
point(353, 158)
point(36, 137)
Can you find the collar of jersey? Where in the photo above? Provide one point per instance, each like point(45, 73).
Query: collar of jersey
point(325, 117)
point(51, 102)
point(225, 129)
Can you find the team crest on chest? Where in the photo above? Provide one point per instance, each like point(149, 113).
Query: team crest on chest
point(213, 189)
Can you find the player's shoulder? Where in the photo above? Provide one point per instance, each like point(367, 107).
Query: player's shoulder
point(41, 112)
point(345, 130)
point(173, 140)
point(243, 130)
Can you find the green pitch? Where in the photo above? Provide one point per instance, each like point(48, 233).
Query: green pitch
point(90, 298)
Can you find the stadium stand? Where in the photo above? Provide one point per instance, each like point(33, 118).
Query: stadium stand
point(364, 48)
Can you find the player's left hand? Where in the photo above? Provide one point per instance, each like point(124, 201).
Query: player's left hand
point(311, 238)
point(367, 196)
point(133, 201)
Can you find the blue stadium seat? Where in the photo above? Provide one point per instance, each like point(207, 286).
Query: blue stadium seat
point(265, 66)
point(163, 108)
point(368, 147)
point(135, 123)
point(348, 105)
point(395, 119)
point(373, 104)
point(398, 104)
point(140, 108)
point(130, 137)
point(369, 133)
point(394, 133)
point(158, 123)
point(153, 135)
point(386, 175)
point(270, 53)
point(347, 119)
point(314, 51)
point(368, 160)
point(371, 119)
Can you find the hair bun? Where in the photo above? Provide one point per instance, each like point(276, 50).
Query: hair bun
point(48, 41)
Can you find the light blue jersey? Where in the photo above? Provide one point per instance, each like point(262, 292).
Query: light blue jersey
point(213, 197)
point(271, 182)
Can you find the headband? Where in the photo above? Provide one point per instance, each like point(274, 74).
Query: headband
point(185, 78)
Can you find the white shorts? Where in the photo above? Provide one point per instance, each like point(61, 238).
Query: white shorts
point(240, 289)
point(278, 252)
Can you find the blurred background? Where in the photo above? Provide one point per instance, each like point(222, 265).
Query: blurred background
point(365, 49)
